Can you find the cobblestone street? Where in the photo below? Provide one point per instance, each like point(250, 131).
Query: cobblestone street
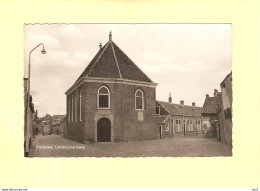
point(57, 146)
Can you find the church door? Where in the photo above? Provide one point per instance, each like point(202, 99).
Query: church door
point(104, 130)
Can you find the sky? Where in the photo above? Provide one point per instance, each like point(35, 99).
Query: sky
point(188, 60)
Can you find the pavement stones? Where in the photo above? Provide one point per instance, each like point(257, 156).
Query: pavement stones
point(57, 146)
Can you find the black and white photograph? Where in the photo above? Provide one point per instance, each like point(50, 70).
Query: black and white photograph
point(127, 90)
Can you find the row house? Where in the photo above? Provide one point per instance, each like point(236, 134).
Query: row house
point(177, 119)
point(210, 115)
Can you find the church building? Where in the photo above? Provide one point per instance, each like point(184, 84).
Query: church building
point(112, 100)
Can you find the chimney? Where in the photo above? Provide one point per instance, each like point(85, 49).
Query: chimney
point(100, 46)
point(110, 36)
point(182, 102)
point(170, 98)
point(215, 92)
point(193, 104)
point(207, 95)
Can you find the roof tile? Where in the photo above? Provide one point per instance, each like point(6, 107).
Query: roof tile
point(211, 104)
point(182, 110)
point(110, 64)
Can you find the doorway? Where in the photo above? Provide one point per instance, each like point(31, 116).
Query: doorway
point(104, 130)
point(160, 131)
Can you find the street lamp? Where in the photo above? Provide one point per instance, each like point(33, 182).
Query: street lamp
point(27, 127)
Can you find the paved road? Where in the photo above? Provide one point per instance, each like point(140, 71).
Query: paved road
point(57, 146)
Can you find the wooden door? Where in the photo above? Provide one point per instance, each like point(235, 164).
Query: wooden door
point(104, 130)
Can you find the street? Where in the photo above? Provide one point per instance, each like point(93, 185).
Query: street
point(57, 146)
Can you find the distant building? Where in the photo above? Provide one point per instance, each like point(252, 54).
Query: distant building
point(112, 100)
point(177, 119)
point(210, 115)
point(44, 122)
point(226, 89)
point(55, 128)
point(63, 127)
point(55, 123)
point(56, 118)
point(46, 118)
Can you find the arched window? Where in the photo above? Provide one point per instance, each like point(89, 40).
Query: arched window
point(80, 97)
point(139, 100)
point(72, 107)
point(103, 98)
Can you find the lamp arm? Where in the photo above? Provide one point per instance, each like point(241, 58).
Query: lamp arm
point(36, 47)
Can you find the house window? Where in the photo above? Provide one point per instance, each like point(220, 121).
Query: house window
point(157, 110)
point(139, 100)
point(227, 113)
point(80, 107)
point(191, 126)
point(167, 127)
point(103, 98)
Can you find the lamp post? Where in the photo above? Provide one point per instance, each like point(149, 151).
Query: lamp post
point(27, 127)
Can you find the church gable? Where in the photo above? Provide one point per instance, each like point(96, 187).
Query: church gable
point(112, 62)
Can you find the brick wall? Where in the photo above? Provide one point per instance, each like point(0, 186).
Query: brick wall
point(122, 114)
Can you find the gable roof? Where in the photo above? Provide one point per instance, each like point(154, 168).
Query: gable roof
point(112, 62)
point(230, 74)
point(182, 110)
point(211, 104)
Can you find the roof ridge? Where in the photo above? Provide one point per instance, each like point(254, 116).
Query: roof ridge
point(116, 60)
point(133, 62)
point(179, 104)
point(98, 58)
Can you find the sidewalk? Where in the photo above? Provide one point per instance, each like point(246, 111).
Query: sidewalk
point(33, 147)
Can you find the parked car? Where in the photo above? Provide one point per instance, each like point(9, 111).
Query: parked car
point(46, 131)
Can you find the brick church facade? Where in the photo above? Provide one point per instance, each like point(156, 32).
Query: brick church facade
point(112, 100)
